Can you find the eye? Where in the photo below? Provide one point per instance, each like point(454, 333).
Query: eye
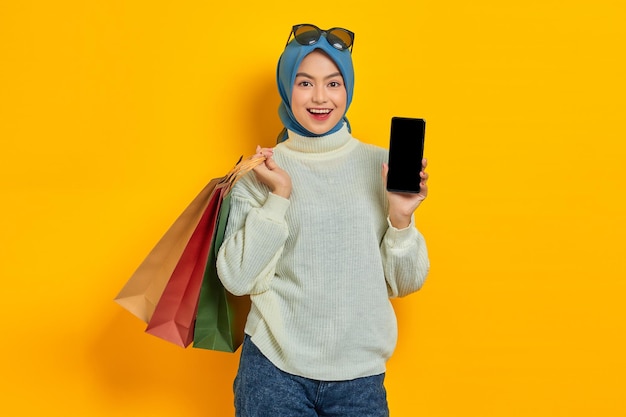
point(334, 84)
point(305, 84)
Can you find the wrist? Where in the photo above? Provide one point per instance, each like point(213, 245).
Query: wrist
point(399, 221)
point(284, 192)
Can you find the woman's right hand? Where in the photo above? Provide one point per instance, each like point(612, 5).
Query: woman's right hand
point(270, 174)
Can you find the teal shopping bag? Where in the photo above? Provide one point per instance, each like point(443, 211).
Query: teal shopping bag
point(221, 316)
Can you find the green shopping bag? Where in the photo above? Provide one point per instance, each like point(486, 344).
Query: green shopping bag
point(221, 316)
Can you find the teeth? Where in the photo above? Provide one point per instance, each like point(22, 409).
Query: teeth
point(320, 111)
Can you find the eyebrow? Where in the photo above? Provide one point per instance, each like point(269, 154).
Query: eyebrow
point(304, 74)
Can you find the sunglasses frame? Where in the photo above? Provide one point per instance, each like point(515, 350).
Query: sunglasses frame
point(321, 32)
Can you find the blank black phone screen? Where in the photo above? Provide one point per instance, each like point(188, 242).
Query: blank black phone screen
point(406, 150)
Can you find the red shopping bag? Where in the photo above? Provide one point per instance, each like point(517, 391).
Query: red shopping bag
point(175, 313)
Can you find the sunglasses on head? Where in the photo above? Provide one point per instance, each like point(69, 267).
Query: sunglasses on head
point(307, 34)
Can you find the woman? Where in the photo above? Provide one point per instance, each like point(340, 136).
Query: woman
point(320, 246)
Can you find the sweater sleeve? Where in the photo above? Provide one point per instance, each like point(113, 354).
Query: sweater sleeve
point(255, 236)
point(405, 259)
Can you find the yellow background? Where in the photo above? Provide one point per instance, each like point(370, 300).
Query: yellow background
point(114, 114)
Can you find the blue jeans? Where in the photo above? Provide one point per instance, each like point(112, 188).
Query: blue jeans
point(263, 390)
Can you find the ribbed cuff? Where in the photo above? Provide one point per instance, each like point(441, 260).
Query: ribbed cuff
point(275, 207)
point(398, 237)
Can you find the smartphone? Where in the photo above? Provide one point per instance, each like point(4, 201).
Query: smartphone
point(406, 150)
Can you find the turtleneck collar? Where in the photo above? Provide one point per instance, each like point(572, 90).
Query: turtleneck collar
point(319, 144)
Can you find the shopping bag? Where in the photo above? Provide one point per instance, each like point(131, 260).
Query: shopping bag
point(143, 290)
point(175, 313)
point(165, 289)
point(221, 316)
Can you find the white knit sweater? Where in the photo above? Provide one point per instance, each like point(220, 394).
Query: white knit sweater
point(321, 265)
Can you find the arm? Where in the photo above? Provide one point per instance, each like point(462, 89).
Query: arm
point(405, 260)
point(256, 230)
point(403, 249)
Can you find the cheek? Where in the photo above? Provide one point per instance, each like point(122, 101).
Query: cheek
point(341, 98)
point(298, 98)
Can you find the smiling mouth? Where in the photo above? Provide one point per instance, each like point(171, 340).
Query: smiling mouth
point(320, 113)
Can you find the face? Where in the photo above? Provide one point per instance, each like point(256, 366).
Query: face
point(319, 97)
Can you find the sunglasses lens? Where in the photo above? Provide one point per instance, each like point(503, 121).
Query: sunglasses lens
point(307, 35)
point(339, 38)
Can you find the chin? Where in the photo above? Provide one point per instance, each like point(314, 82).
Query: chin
point(321, 130)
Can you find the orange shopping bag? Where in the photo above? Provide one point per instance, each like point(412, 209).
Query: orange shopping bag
point(142, 291)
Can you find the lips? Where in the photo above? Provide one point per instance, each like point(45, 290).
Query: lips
point(320, 114)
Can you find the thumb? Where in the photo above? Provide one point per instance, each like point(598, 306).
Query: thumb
point(270, 164)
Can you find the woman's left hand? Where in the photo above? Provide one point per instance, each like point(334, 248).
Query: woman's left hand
point(403, 205)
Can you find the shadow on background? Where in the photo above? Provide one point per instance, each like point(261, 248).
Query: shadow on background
point(135, 370)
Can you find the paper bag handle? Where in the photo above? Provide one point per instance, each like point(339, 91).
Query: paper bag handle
point(243, 167)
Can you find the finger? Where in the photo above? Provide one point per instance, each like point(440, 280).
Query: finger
point(423, 188)
point(259, 152)
point(264, 154)
point(260, 168)
point(385, 171)
point(271, 164)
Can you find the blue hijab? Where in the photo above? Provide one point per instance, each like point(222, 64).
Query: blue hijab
point(288, 65)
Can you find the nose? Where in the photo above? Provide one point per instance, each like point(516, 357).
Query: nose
point(319, 95)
